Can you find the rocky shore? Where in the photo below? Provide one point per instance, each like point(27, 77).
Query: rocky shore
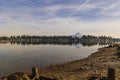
point(97, 64)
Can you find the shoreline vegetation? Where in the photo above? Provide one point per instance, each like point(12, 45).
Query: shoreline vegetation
point(101, 65)
point(85, 40)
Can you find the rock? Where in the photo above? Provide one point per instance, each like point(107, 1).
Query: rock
point(98, 77)
point(4, 78)
point(104, 78)
point(93, 78)
point(44, 78)
point(18, 76)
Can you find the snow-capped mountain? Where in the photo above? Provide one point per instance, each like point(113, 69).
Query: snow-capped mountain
point(78, 35)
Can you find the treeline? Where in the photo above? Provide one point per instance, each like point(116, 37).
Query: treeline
point(90, 38)
point(85, 40)
point(4, 38)
point(58, 38)
point(43, 37)
point(84, 37)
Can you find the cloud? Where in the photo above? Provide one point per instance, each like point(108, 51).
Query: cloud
point(49, 16)
point(85, 10)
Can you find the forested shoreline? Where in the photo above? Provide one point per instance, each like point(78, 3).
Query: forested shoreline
point(85, 40)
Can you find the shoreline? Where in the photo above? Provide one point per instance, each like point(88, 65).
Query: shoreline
point(95, 64)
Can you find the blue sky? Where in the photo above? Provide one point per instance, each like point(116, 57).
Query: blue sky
point(54, 17)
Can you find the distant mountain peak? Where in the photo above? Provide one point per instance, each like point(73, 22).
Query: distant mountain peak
point(78, 35)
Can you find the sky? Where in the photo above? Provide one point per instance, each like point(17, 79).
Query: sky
point(60, 17)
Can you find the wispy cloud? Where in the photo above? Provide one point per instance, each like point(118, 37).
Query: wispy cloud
point(57, 16)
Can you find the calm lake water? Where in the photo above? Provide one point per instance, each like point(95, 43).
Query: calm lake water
point(17, 58)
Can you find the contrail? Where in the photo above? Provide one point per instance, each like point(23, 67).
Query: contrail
point(78, 8)
point(75, 11)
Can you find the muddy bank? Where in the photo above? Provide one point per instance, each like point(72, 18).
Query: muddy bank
point(95, 64)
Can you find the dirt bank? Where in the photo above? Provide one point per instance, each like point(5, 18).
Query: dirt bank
point(96, 63)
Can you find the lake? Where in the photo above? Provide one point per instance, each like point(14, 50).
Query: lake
point(17, 58)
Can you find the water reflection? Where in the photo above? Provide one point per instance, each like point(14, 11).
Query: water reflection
point(70, 43)
point(15, 56)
